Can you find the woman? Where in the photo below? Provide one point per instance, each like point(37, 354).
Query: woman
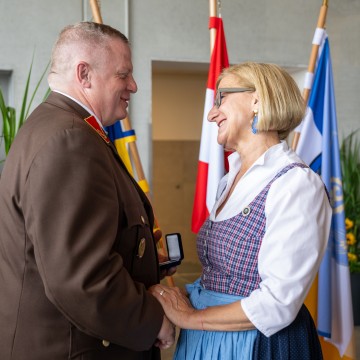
point(263, 242)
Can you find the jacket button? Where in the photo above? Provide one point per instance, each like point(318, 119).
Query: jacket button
point(142, 219)
point(141, 249)
point(106, 343)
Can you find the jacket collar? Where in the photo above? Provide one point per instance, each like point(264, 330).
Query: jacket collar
point(69, 104)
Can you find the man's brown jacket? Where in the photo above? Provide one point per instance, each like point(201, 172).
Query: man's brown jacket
point(76, 246)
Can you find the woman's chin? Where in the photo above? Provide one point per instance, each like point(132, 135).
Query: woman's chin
point(220, 140)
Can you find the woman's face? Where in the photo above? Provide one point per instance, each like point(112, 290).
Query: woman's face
point(235, 114)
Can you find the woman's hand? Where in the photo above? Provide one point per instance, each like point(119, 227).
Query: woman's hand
point(177, 306)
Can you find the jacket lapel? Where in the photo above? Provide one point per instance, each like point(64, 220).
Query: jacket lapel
point(68, 104)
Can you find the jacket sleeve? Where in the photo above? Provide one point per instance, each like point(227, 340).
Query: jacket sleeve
point(73, 212)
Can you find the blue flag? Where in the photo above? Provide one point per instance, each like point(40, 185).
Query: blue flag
point(319, 148)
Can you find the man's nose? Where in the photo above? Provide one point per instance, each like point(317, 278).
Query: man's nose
point(132, 86)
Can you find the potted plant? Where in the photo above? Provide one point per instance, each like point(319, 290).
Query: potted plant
point(11, 125)
point(350, 166)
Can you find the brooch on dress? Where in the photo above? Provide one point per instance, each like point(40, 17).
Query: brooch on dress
point(246, 211)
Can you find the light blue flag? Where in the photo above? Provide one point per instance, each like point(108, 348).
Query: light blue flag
point(319, 148)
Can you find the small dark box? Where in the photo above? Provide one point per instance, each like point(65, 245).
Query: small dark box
point(174, 250)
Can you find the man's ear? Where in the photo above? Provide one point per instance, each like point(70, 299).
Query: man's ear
point(83, 74)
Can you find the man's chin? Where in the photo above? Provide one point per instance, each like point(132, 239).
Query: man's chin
point(119, 117)
point(123, 115)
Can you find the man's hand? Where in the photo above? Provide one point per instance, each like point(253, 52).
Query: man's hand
point(157, 235)
point(166, 337)
point(166, 272)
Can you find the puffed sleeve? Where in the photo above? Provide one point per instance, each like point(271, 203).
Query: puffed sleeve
point(298, 218)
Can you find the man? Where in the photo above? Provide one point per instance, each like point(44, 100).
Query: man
point(77, 252)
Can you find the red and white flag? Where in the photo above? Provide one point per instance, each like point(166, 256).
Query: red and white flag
point(211, 166)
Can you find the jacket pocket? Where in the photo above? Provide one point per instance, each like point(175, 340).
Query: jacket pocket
point(144, 263)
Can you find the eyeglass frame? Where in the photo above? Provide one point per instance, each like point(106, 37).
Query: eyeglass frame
point(219, 91)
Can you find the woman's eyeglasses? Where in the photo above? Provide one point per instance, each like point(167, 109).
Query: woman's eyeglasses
point(221, 91)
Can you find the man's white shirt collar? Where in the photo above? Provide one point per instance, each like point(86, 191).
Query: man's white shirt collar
point(83, 106)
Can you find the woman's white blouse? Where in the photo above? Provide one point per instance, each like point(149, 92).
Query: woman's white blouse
point(298, 218)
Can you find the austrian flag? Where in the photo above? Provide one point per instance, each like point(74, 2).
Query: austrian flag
point(211, 159)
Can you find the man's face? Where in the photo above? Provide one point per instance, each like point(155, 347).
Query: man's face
point(112, 83)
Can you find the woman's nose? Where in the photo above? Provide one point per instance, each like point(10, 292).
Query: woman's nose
point(213, 114)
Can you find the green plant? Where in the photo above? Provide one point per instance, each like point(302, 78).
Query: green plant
point(350, 167)
point(10, 125)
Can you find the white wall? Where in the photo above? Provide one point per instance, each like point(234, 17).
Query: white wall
point(278, 31)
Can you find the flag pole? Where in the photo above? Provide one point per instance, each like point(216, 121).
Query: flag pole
point(213, 13)
point(96, 11)
point(312, 296)
point(135, 154)
point(312, 64)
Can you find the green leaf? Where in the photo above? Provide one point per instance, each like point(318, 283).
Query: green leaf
point(24, 101)
point(9, 122)
point(35, 91)
point(10, 125)
point(350, 167)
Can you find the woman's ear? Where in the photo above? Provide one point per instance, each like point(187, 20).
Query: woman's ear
point(83, 74)
point(255, 101)
point(255, 97)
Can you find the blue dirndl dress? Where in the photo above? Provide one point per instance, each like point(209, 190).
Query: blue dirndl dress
point(228, 252)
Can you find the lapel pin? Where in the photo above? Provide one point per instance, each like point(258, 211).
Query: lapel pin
point(246, 211)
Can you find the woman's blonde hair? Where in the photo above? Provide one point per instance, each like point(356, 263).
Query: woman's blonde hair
point(281, 106)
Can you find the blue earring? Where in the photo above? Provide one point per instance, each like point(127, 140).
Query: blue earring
point(254, 123)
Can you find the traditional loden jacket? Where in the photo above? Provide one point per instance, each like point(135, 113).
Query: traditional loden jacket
point(76, 246)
